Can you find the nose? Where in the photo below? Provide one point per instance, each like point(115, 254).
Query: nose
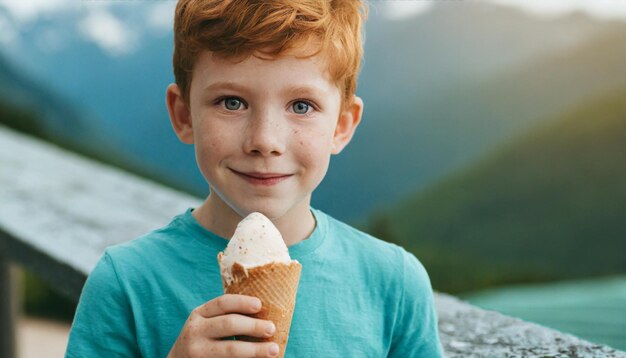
point(264, 135)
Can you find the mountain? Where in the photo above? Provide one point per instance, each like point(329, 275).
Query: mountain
point(548, 206)
point(438, 91)
point(445, 115)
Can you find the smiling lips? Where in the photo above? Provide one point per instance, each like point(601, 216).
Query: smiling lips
point(266, 179)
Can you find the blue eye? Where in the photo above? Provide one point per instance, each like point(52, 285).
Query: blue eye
point(300, 107)
point(232, 103)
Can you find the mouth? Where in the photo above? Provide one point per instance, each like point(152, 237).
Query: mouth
point(265, 179)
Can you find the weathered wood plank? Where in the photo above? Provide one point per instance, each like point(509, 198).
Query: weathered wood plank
point(60, 210)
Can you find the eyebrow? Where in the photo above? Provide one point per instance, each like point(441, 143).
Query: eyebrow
point(300, 91)
point(304, 91)
point(224, 85)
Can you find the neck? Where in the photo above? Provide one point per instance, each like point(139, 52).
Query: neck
point(216, 216)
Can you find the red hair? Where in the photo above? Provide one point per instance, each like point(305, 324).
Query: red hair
point(237, 29)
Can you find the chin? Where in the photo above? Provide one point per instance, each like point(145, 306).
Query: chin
point(270, 210)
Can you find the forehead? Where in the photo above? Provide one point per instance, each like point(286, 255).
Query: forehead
point(261, 70)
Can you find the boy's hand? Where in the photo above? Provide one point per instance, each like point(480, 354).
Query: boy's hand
point(204, 332)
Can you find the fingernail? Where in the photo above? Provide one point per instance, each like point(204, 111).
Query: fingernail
point(270, 329)
point(256, 304)
point(274, 349)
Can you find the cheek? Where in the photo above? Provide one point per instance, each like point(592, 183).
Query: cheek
point(214, 137)
point(314, 148)
point(209, 151)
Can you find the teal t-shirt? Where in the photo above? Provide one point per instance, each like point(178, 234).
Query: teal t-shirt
point(358, 296)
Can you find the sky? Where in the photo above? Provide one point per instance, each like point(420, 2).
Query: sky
point(100, 24)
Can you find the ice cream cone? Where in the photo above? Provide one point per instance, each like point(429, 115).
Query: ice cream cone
point(275, 284)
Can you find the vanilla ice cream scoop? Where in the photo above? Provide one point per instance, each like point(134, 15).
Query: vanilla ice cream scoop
point(256, 242)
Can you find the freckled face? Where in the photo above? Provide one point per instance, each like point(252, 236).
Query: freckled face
point(263, 131)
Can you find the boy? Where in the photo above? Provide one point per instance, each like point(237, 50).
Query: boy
point(265, 92)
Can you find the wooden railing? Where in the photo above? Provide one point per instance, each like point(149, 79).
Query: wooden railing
point(59, 211)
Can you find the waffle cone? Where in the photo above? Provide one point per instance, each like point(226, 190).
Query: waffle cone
point(275, 284)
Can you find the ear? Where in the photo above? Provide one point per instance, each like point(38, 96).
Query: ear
point(180, 116)
point(349, 119)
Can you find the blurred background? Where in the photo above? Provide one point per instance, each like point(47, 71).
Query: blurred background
point(493, 144)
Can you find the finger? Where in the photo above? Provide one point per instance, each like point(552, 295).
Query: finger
point(243, 349)
point(229, 304)
point(237, 325)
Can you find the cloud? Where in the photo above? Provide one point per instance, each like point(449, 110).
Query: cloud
point(101, 27)
point(30, 10)
point(403, 9)
point(161, 16)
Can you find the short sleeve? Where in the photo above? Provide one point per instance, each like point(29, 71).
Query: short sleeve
point(103, 325)
point(415, 332)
